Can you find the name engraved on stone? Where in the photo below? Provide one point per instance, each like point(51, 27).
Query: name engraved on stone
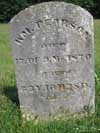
point(56, 22)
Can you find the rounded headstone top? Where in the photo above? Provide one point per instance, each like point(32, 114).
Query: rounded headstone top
point(48, 7)
point(49, 10)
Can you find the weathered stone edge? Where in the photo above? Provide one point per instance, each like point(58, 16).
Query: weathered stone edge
point(53, 2)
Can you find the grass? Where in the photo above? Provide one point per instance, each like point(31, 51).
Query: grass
point(10, 116)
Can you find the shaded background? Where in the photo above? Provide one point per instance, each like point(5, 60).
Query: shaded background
point(8, 8)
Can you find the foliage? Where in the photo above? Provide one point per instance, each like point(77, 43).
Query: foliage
point(91, 5)
point(8, 8)
point(88, 4)
point(10, 116)
point(96, 9)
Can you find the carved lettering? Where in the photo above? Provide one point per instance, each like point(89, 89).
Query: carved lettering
point(53, 87)
point(39, 23)
point(20, 61)
point(54, 59)
point(53, 45)
point(55, 73)
point(20, 38)
point(48, 21)
point(56, 22)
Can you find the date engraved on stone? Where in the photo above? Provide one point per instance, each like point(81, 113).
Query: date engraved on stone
point(50, 91)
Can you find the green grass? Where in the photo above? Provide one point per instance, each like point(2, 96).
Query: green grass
point(10, 116)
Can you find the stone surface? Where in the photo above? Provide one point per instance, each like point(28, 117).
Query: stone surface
point(52, 46)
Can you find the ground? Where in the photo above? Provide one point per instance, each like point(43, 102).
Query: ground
point(10, 116)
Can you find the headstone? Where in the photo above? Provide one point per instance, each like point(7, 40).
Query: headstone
point(52, 46)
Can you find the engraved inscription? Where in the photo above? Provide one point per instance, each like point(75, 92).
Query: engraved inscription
point(53, 87)
point(54, 59)
point(55, 90)
point(52, 74)
point(48, 22)
point(53, 45)
point(20, 38)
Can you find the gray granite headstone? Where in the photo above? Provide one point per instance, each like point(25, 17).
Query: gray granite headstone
point(52, 46)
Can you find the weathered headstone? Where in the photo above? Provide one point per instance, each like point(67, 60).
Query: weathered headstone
point(53, 54)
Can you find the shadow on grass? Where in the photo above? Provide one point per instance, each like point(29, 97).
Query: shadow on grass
point(12, 94)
